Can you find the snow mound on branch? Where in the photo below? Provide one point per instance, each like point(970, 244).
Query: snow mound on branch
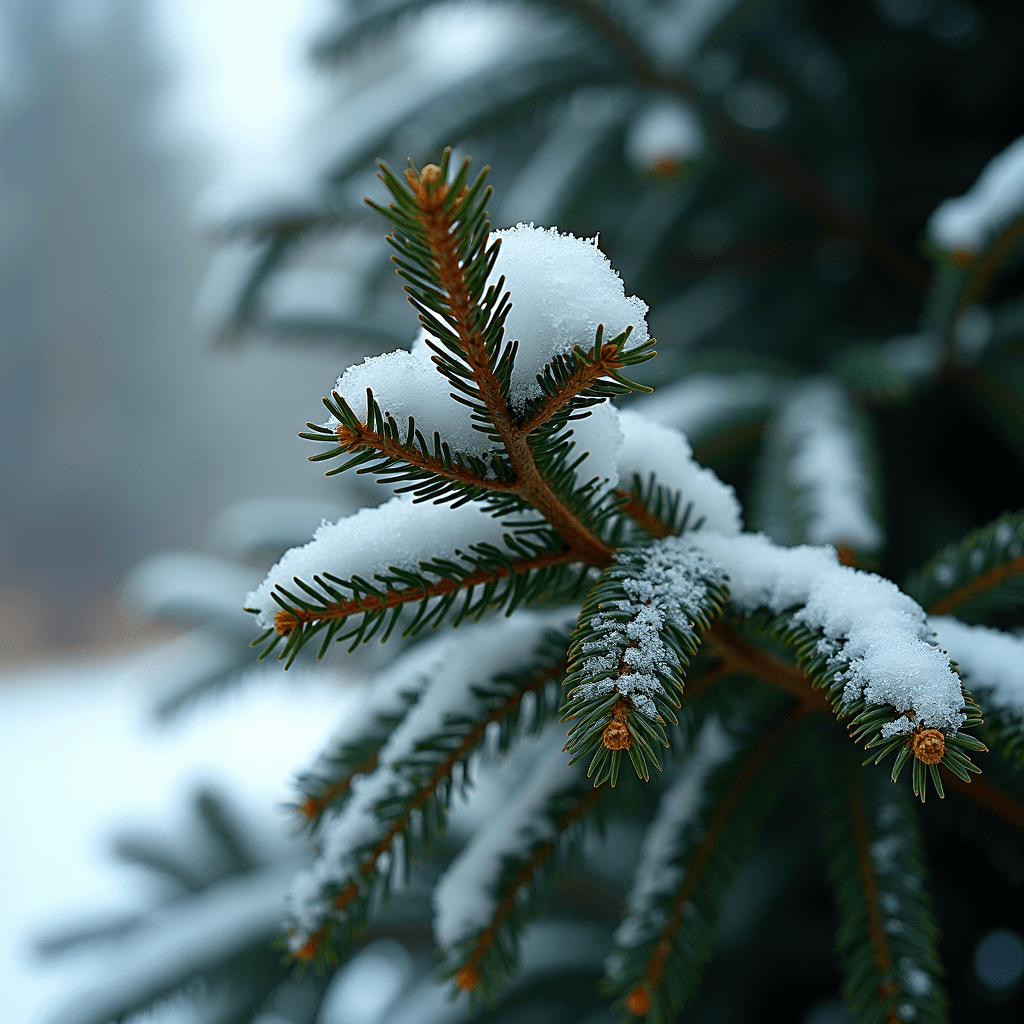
point(466, 896)
point(678, 810)
point(997, 197)
point(451, 667)
point(397, 533)
point(407, 383)
point(561, 288)
point(991, 661)
point(875, 635)
point(827, 466)
point(649, 447)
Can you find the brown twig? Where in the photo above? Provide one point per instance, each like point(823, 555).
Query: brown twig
point(286, 621)
point(361, 436)
point(770, 161)
point(530, 485)
point(633, 507)
point(979, 585)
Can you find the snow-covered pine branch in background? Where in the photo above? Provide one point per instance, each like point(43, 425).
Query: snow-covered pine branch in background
point(887, 935)
point(824, 463)
point(398, 807)
point(984, 572)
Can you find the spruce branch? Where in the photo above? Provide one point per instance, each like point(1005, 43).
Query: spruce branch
point(989, 796)
point(887, 935)
point(441, 232)
point(490, 579)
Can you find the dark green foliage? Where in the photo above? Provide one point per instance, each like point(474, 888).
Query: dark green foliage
point(887, 938)
point(981, 574)
point(713, 844)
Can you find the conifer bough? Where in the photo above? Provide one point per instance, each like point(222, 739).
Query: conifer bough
point(518, 483)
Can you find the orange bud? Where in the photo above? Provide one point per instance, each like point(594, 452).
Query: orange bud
point(847, 556)
point(466, 977)
point(308, 951)
point(961, 258)
point(929, 745)
point(638, 1001)
point(309, 808)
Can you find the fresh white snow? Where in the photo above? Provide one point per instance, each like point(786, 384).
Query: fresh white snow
point(648, 447)
point(826, 465)
point(876, 635)
point(397, 533)
point(666, 129)
point(561, 287)
point(990, 661)
point(969, 222)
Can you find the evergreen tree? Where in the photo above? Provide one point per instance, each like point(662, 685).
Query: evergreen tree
point(659, 736)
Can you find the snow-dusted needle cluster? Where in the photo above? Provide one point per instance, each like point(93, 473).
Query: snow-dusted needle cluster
point(669, 584)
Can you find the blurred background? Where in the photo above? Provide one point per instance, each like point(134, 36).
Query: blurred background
point(185, 268)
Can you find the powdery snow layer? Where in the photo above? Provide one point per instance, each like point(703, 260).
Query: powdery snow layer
point(648, 447)
point(970, 221)
point(670, 586)
point(991, 662)
point(561, 288)
point(827, 466)
point(664, 840)
point(466, 895)
point(454, 665)
point(877, 636)
point(408, 384)
point(397, 533)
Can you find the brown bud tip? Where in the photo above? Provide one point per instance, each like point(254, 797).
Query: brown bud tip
point(284, 622)
point(847, 556)
point(666, 167)
point(928, 745)
point(466, 977)
point(308, 951)
point(616, 735)
point(430, 175)
point(961, 258)
point(639, 1001)
point(309, 808)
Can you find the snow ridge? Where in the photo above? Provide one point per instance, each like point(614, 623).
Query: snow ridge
point(455, 665)
point(648, 447)
point(466, 896)
point(397, 533)
point(877, 637)
point(656, 874)
point(969, 222)
point(991, 662)
point(827, 466)
point(670, 585)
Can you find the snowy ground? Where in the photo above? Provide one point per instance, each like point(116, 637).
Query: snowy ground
point(81, 759)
